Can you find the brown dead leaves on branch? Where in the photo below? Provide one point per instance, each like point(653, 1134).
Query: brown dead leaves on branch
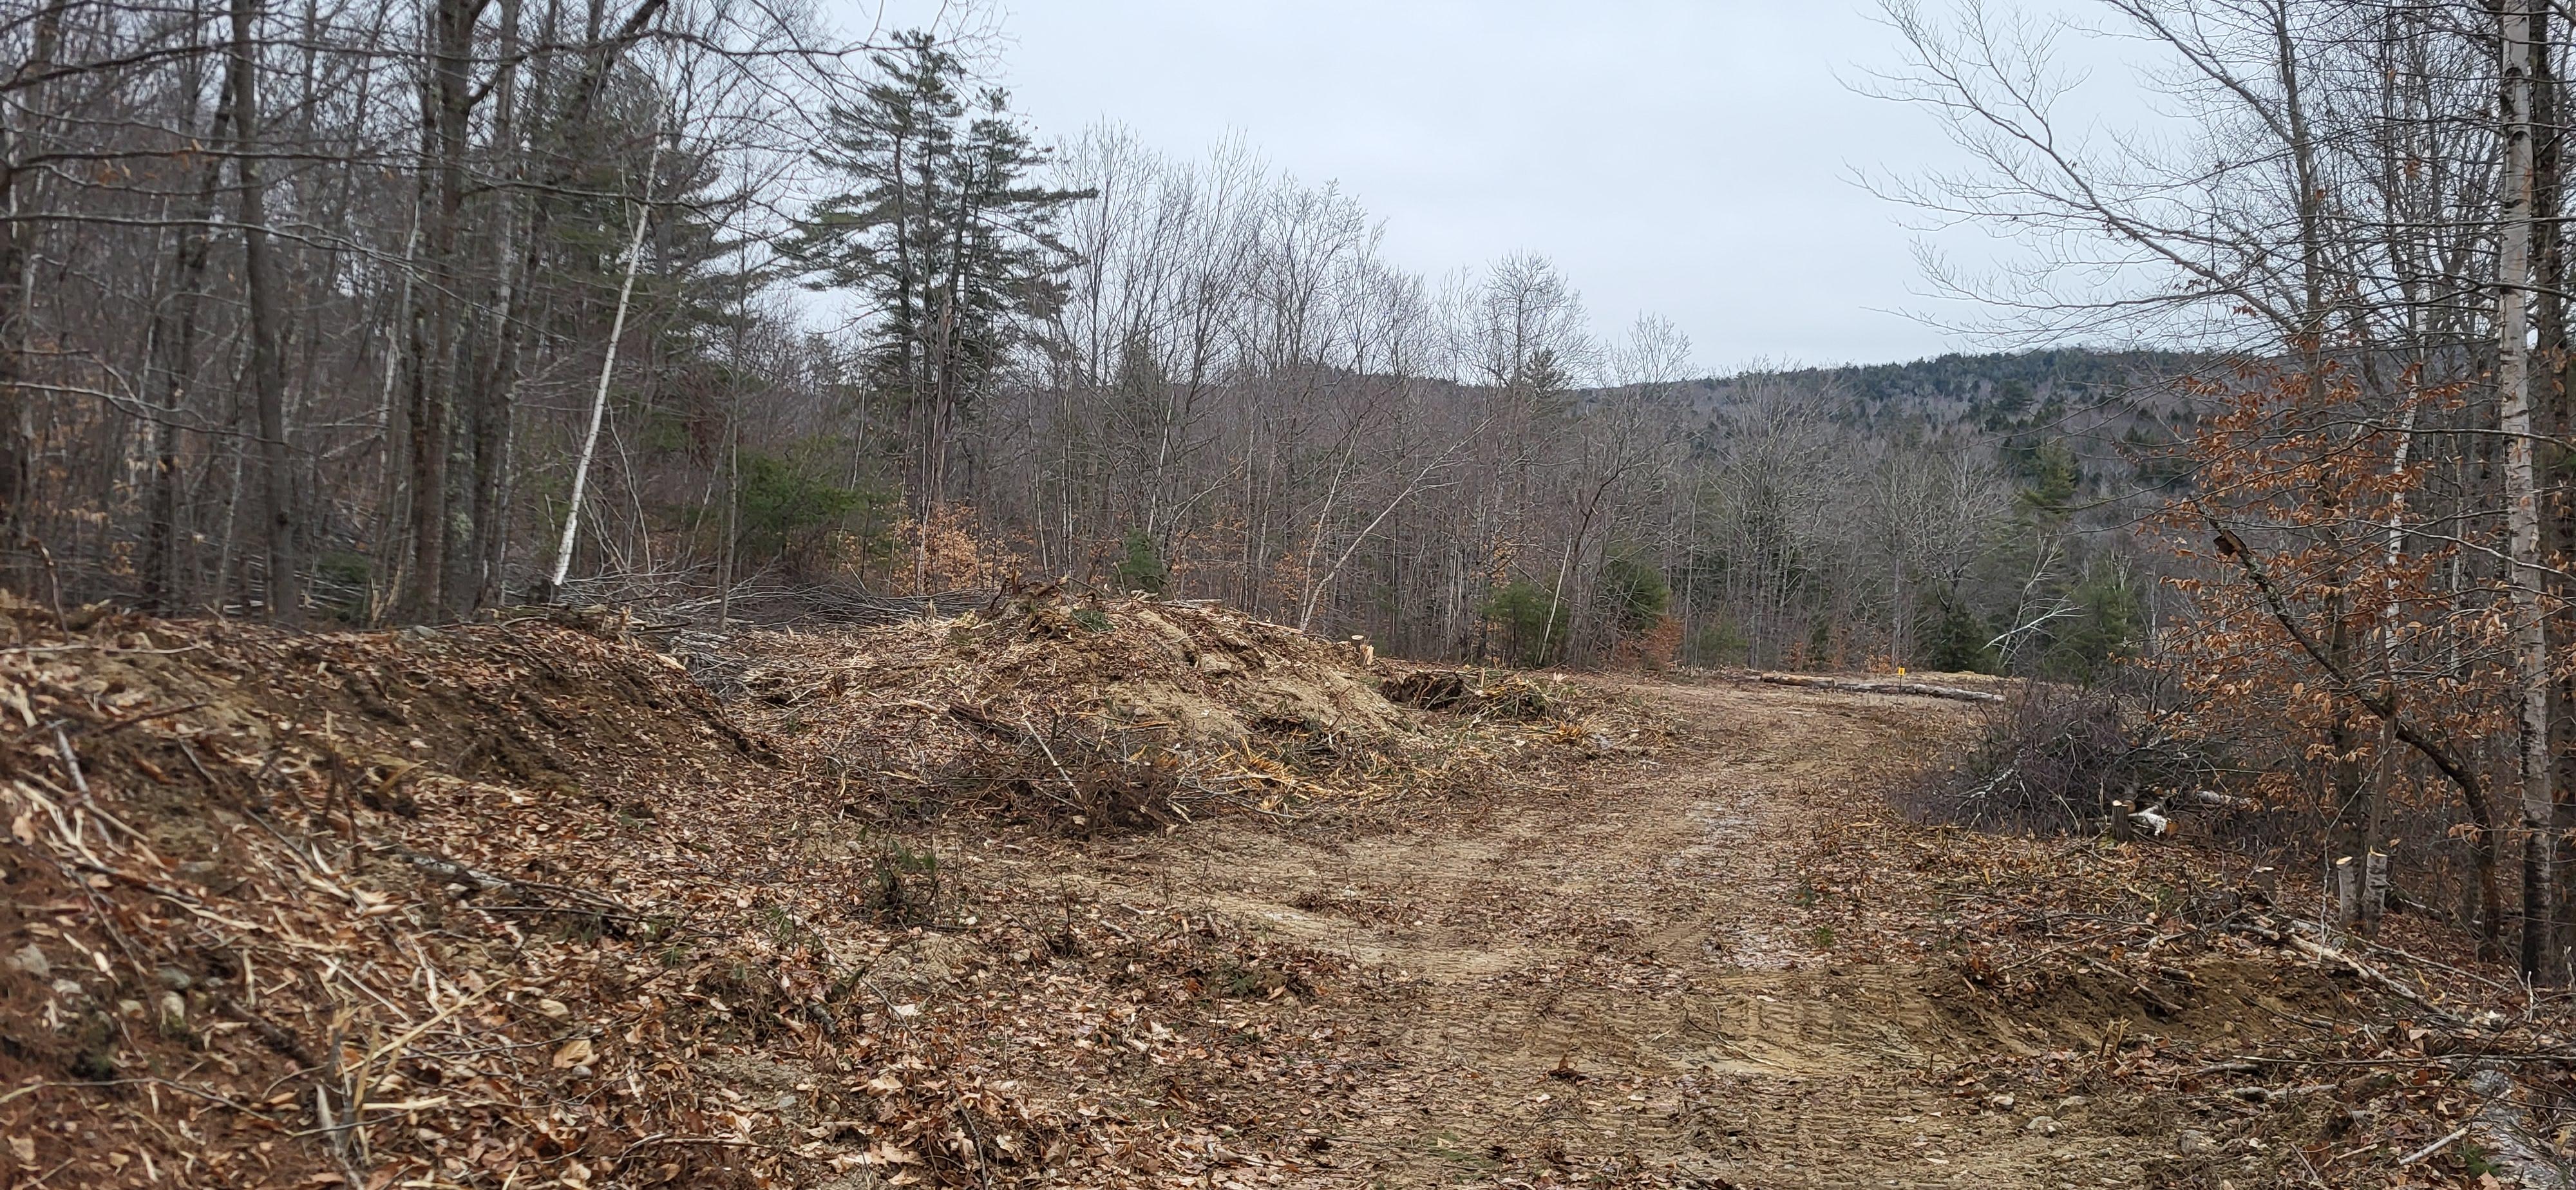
point(2341, 638)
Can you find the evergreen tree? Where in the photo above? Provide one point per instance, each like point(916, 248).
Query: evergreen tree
point(2105, 630)
point(1530, 635)
point(1955, 638)
point(2051, 476)
point(1142, 568)
point(943, 233)
point(1635, 592)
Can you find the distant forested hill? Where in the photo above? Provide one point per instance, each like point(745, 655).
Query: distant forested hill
point(1992, 391)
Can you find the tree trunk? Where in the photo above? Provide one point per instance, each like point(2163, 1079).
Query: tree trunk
point(607, 369)
point(2522, 497)
point(447, 103)
point(2549, 400)
point(162, 588)
point(490, 405)
point(268, 370)
point(17, 297)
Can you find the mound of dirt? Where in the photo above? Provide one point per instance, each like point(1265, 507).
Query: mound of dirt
point(513, 904)
point(1102, 713)
point(1206, 673)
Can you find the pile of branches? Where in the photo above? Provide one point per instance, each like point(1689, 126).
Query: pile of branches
point(2190, 993)
point(2065, 760)
point(1090, 774)
point(1467, 691)
point(2305, 1055)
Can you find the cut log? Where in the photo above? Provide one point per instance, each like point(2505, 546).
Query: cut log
point(1850, 686)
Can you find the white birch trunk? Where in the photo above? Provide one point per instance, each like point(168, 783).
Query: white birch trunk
point(2522, 503)
point(607, 368)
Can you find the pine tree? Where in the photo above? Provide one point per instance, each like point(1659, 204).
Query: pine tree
point(945, 235)
point(1954, 638)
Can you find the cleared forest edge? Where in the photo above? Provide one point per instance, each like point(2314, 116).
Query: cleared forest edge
point(1069, 892)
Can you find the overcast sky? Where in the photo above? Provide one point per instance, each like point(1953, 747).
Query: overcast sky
point(1693, 158)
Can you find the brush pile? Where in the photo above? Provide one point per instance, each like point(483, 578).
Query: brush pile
point(1466, 692)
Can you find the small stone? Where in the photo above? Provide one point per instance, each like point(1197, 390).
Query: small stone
point(32, 961)
point(175, 979)
point(2041, 1126)
point(2001, 1102)
point(2072, 1102)
point(69, 989)
point(2194, 1142)
point(174, 1009)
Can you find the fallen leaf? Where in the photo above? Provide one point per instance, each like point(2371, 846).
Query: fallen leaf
point(576, 1052)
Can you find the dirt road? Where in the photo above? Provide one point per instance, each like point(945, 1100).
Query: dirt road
point(1629, 983)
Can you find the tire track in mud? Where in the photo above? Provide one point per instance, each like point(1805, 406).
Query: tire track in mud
point(1620, 984)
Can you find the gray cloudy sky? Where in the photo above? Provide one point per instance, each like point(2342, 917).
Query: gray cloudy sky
point(1687, 157)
